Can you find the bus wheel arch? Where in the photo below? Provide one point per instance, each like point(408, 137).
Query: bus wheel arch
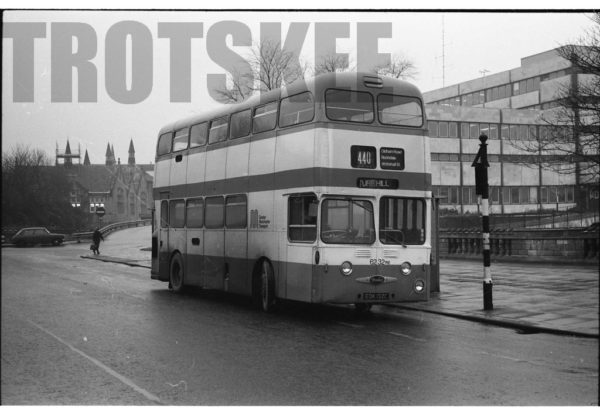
point(176, 272)
point(263, 285)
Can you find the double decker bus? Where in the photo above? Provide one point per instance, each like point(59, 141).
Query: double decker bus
point(317, 192)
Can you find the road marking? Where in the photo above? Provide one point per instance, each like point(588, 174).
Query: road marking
point(354, 326)
point(109, 370)
point(406, 336)
point(518, 360)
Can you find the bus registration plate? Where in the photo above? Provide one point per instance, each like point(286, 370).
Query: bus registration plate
point(376, 296)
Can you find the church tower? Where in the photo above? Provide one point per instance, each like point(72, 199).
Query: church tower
point(110, 156)
point(131, 160)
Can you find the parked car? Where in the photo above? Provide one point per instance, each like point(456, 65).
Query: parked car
point(36, 235)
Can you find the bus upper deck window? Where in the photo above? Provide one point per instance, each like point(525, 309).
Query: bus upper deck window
point(265, 118)
point(349, 106)
point(296, 109)
point(180, 140)
point(198, 135)
point(164, 144)
point(218, 130)
point(399, 110)
point(240, 124)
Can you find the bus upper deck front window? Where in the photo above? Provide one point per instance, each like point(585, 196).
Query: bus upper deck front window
point(347, 221)
point(399, 110)
point(349, 106)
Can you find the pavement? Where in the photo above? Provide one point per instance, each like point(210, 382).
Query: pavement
point(529, 297)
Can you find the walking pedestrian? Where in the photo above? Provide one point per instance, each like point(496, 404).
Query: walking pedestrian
point(96, 238)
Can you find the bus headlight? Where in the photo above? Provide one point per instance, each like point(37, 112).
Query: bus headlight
point(406, 268)
point(419, 286)
point(346, 268)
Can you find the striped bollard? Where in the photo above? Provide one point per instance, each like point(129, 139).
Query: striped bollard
point(482, 189)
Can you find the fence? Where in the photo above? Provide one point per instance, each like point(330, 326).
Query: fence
point(548, 220)
point(107, 230)
point(566, 244)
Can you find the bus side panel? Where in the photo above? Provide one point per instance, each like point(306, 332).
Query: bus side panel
point(262, 238)
point(237, 162)
point(295, 151)
point(178, 172)
point(261, 157)
point(162, 173)
point(196, 172)
point(238, 278)
point(215, 170)
point(214, 259)
point(299, 272)
point(194, 256)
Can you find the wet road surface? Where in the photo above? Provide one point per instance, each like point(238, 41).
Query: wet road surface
point(75, 332)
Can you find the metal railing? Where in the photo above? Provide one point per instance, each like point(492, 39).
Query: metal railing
point(109, 229)
point(566, 243)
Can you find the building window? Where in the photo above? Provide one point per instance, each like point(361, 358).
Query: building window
point(433, 129)
point(474, 130)
point(464, 130)
point(443, 129)
point(453, 129)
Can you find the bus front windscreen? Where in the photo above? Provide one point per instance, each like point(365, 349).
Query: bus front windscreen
point(347, 221)
point(401, 221)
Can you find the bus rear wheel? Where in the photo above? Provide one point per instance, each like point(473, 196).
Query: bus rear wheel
point(266, 287)
point(176, 273)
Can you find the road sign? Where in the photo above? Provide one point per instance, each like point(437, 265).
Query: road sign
point(100, 211)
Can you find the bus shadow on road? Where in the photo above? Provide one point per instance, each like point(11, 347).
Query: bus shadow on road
point(286, 310)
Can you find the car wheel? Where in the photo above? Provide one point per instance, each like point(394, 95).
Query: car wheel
point(56, 242)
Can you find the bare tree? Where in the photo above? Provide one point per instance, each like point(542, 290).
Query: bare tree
point(34, 192)
point(332, 63)
point(399, 68)
point(570, 140)
point(271, 67)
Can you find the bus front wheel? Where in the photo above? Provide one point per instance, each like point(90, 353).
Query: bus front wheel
point(266, 287)
point(176, 273)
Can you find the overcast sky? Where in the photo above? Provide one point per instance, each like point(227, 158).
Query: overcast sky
point(474, 42)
